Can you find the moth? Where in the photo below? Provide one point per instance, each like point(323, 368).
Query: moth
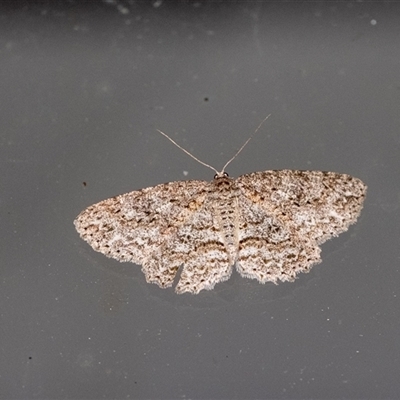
point(269, 224)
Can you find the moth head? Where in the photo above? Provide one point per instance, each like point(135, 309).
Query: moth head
point(222, 174)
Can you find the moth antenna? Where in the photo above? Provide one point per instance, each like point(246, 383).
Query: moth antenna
point(189, 154)
point(245, 143)
point(207, 165)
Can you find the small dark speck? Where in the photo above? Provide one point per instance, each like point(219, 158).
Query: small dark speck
point(205, 98)
point(84, 183)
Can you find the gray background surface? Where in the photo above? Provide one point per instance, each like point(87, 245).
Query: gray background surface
point(83, 89)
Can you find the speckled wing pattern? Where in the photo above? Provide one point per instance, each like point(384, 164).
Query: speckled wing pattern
point(269, 223)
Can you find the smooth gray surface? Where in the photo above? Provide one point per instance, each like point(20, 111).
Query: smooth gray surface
point(83, 89)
